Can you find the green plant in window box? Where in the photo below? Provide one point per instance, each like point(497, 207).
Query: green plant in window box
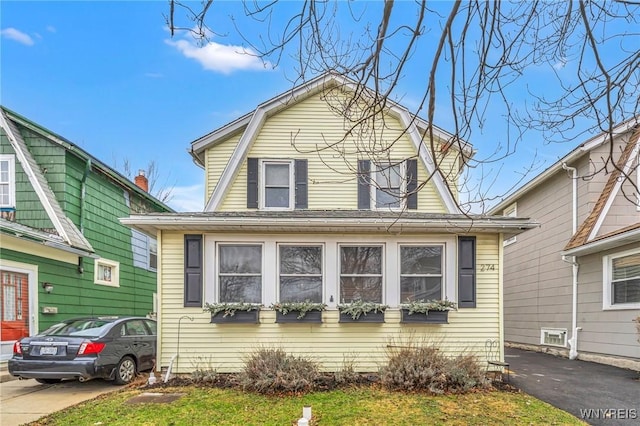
point(230, 309)
point(427, 311)
point(300, 307)
point(358, 308)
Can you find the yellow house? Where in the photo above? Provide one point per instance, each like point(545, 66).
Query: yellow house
point(304, 204)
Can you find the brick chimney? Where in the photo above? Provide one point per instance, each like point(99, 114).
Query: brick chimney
point(141, 181)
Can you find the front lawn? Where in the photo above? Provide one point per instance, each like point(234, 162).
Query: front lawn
point(356, 406)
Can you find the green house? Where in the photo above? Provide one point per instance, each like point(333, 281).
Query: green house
point(63, 251)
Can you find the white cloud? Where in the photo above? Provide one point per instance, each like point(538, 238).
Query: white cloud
point(51, 29)
point(220, 58)
point(19, 36)
point(561, 63)
point(187, 198)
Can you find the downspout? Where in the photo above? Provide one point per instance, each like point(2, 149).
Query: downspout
point(573, 341)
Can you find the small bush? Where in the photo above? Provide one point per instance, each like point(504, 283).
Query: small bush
point(424, 368)
point(273, 371)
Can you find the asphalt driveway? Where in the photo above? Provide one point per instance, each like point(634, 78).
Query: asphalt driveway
point(596, 393)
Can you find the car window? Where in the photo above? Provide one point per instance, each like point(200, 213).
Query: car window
point(152, 326)
point(84, 327)
point(135, 328)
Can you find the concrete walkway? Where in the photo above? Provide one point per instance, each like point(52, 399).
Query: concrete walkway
point(596, 393)
point(24, 401)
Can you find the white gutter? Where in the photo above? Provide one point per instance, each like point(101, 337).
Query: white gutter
point(573, 341)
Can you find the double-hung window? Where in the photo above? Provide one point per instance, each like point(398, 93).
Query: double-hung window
point(622, 280)
point(240, 273)
point(7, 181)
point(361, 273)
point(300, 269)
point(277, 189)
point(389, 188)
point(421, 272)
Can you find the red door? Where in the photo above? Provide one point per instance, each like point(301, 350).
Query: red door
point(14, 305)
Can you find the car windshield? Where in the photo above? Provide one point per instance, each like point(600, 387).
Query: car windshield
point(84, 327)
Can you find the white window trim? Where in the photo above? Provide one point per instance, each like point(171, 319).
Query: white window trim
point(115, 272)
point(374, 186)
point(149, 241)
point(262, 183)
point(322, 274)
point(443, 271)
point(11, 159)
point(216, 269)
point(607, 270)
point(511, 211)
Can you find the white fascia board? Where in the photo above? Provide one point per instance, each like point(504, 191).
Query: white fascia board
point(614, 192)
point(619, 240)
point(427, 161)
point(26, 166)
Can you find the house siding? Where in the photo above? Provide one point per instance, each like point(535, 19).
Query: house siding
point(216, 160)
point(303, 131)
point(223, 347)
point(537, 283)
point(611, 332)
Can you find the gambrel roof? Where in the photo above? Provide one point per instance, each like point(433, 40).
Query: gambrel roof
point(250, 124)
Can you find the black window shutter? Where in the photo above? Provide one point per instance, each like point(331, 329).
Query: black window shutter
point(412, 184)
point(466, 272)
point(193, 270)
point(252, 183)
point(364, 194)
point(302, 201)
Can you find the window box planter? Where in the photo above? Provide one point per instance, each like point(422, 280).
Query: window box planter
point(298, 312)
point(293, 317)
point(234, 313)
point(370, 317)
point(239, 317)
point(430, 317)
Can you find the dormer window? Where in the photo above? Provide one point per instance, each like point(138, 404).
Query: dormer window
point(277, 185)
point(7, 181)
point(388, 185)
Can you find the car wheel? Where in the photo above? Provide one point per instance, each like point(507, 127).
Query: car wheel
point(125, 371)
point(48, 381)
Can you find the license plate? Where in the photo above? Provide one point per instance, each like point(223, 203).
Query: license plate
point(48, 350)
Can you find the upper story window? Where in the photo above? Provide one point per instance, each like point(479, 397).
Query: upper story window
point(622, 280)
point(421, 272)
point(511, 211)
point(240, 273)
point(7, 181)
point(145, 251)
point(300, 273)
point(277, 189)
point(388, 185)
point(361, 273)
point(389, 189)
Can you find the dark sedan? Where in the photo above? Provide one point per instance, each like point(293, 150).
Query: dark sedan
point(111, 348)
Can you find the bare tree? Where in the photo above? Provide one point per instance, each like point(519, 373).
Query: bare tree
point(466, 57)
point(162, 190)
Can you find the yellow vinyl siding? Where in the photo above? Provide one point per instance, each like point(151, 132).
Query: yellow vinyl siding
point(304, 131)
point(222, 347)
point(216, 160)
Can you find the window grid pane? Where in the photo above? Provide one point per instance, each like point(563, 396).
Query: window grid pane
point(420, 273)
point(240, 273)
point(625, 283)
point(300, 273)
point(361, 274)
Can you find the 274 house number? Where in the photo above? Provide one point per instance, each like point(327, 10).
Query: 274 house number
point(487, 267)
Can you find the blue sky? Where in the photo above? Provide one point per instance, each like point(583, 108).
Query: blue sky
point(108, 77)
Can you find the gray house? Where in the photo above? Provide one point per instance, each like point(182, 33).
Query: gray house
point(572, 286)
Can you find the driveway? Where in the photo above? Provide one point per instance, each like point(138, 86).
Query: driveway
point(596, 393)
point(24, 401)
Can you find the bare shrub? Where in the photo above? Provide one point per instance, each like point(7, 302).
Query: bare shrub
point(424, 368)
point(273, 371)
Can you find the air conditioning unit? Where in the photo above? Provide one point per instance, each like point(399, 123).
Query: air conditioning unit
point(553, 337)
